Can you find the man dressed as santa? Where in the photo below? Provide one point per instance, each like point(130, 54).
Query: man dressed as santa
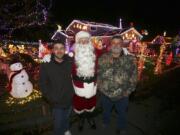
point(84, 79)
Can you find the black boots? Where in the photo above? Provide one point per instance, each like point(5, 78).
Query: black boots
point(81, 122)
point(92, 123)
point(90, 120)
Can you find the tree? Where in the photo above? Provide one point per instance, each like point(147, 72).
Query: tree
point(17, 14)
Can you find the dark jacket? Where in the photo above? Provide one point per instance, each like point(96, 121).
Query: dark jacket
point(56, 82)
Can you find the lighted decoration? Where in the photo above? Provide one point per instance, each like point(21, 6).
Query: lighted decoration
point(71, 54)
point(43, 50)
point(131, 34)
point(19, 84)
point(60, 35)
point(12, 49)
point(17, 42)
point(59, 31)
point(2, 53)
point(10, 46)
point(80, 26)
point(142, 58)
point(20, 48)
point(14, 46)
point(59, 28)
point(159, 40)
point(164, 34)
point(16, 101)
point(91, 27)
point(158, 68)
point(144, 32)
point(97, 42)
point(46, 58)
point(23, 13)
point(169, 59)
point(134, 46)
point(177, 51)
point(84, 28)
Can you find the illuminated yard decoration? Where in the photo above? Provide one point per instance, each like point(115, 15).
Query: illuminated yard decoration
point(142, 58)
point(158, 68)
point(34, 96)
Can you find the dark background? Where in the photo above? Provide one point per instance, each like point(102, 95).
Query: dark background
point(156, 16)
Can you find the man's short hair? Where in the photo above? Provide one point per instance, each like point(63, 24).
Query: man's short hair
point(58, 42)
point(117, 37)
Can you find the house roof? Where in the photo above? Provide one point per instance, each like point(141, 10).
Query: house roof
point(159, 39)
point(59, 32)
point(91, 24)
point(129, 29)
point(108, 31)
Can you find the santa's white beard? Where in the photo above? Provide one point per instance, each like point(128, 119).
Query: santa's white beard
point(85, 60)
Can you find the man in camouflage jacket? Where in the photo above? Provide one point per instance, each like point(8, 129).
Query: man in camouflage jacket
point(117, 78)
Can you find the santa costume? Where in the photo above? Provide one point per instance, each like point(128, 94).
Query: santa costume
point(84, 79)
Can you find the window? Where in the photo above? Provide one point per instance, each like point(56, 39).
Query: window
point(93, 28)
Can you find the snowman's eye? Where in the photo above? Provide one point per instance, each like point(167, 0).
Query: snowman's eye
point(22, 76)
point(26, 90)
point(23, 83)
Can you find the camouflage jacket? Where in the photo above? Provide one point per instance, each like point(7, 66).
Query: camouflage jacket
point(116, 75)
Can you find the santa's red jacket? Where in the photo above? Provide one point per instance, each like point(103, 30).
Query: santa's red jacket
point(85, 89)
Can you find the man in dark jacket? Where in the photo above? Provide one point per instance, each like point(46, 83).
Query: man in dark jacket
point(56, 86)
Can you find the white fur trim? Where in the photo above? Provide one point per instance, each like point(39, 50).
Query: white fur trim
point(85, 110)
point(82, 34)
point(88, 91)
point(67, 133)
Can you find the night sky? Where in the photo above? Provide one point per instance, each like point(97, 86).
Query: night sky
point(156, 16)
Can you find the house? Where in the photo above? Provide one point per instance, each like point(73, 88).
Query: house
point(99, 31)
point(95, 29)
point(161, 39)
point(130, 34)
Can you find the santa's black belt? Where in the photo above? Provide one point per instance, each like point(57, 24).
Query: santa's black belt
point(87, 80)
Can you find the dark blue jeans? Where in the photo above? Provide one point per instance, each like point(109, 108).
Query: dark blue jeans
point(121, 108)
point(61, 120)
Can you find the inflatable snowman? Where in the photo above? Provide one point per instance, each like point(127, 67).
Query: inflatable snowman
point(19, 86)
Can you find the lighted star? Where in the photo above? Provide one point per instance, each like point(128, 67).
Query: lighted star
point(59, 28)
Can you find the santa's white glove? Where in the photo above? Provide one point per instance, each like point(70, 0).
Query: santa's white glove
point(46, 58)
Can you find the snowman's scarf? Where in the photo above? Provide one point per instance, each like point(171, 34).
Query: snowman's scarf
point(9, 87)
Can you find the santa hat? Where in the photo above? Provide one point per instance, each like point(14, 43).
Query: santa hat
point(82, 34)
